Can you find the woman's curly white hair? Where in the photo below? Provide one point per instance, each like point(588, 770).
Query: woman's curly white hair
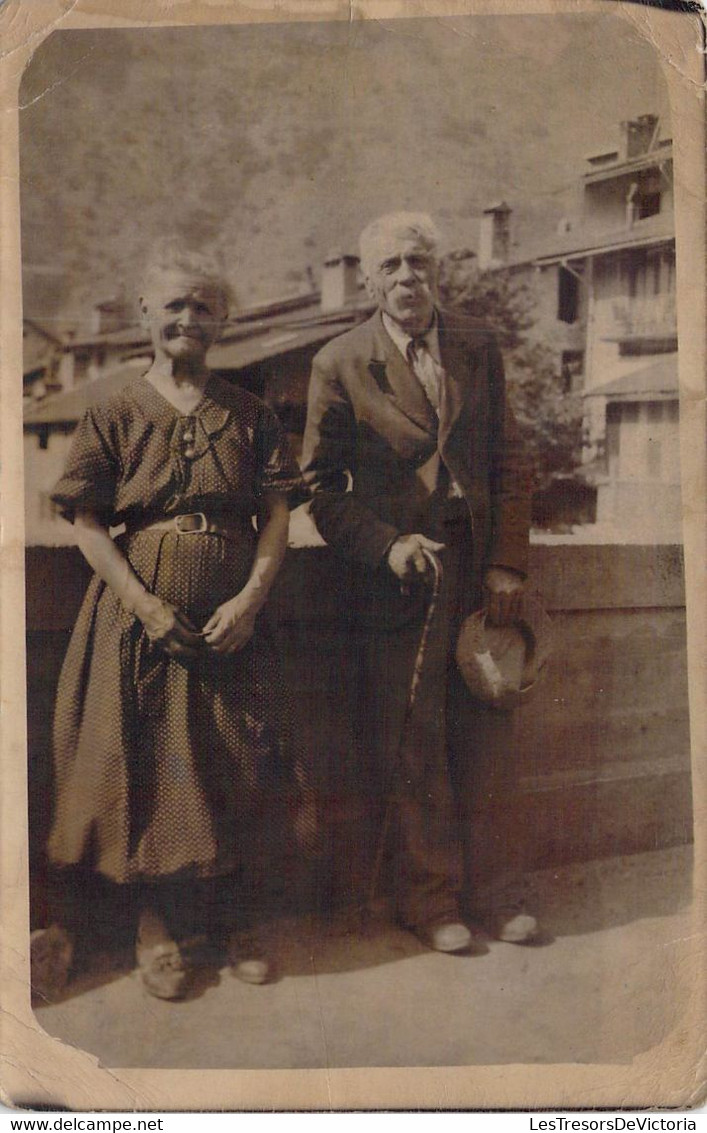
point(171, 255)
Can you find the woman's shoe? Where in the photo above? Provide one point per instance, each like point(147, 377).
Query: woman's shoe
point(163, 970)
point(247, 960)
point(51, 957)
point(162, 962)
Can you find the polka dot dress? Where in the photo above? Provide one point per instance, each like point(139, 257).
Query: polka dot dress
point(168, 766)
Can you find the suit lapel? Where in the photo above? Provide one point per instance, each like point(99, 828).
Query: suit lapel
point(395, 379)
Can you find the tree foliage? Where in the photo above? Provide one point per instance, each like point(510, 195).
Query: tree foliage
point(549, 417)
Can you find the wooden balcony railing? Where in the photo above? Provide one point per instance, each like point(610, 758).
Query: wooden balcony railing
point(635, 318)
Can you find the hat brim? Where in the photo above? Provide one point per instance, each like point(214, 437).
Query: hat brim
point(501, 665)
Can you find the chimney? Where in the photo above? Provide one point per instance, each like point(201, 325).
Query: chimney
point(494, 236)
point(638, 135)
point(340, 280)
point(111, 314)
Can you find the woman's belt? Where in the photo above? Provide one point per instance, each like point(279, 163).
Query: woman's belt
point(194, 523)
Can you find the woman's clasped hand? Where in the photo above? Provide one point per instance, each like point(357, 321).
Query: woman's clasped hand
point(228, 630)
point(169, 627)
point(231, 626)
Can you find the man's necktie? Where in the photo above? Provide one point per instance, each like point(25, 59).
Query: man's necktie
point(425, 369)
point(431, 375)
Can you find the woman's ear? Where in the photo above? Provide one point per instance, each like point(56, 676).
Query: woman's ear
point(143, 309)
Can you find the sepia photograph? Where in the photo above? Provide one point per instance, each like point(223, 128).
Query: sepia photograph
point(353, 414)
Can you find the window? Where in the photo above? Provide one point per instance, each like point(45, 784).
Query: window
point(653, 272)
point(81, 361)
point(646, 313)
point(644, 196)
point(613, 434)
point(572, 370)
point(648, 205)
point(567, 296)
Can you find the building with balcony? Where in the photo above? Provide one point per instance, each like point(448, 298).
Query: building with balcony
point(605, 292)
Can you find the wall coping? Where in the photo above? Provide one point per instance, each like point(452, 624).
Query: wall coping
point(570, 578)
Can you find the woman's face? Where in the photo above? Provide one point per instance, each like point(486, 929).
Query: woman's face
point(184, 315)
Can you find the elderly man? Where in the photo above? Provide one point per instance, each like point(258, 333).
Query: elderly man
point(410, 451)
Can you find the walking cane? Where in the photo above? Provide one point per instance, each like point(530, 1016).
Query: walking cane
point(436, 568)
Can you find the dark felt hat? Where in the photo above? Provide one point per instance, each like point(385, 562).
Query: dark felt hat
point(502, 664)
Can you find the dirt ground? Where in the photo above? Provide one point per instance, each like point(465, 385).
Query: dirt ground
point(601, 988)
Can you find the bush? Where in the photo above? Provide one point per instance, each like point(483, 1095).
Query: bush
point(550, 418)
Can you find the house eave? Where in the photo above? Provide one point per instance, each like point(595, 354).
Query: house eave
point(649, 160)
point(582, 251)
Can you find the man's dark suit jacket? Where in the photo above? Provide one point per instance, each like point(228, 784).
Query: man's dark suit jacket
point(370, 428)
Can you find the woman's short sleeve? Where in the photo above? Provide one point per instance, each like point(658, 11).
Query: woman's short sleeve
point(90, 476)
point(279, 471)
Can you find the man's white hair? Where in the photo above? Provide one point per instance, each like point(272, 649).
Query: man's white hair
point(417, 224)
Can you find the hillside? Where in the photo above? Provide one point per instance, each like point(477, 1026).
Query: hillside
point(275, 142)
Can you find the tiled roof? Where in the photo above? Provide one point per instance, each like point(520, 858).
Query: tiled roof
point(241, 348)
point(242, 322)
point(70, 405)
point(279, 338)
point(49, 335)
point(126, 336)
point(586, 239)
point(600, 172)
point(660, 378)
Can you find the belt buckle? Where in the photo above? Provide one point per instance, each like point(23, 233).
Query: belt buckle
point(189, 516)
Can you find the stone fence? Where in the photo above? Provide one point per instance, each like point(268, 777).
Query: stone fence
point(601, 751)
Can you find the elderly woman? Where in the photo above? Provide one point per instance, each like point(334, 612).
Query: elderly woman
point(172, 763)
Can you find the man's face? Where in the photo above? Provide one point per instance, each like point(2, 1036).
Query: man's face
point(403, 281)
point(184, 316)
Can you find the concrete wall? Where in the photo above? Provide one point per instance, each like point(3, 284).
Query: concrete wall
point(601, 753)
point(613, 313)
point(43, 467)
point(547, 330)
point(604, 202)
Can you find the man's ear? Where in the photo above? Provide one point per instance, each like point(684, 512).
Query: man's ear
point(370, 288)
point(142, 308)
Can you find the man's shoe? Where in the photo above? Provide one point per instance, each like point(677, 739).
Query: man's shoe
point(247, 960)
point(514, 927)
point(444, 936)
